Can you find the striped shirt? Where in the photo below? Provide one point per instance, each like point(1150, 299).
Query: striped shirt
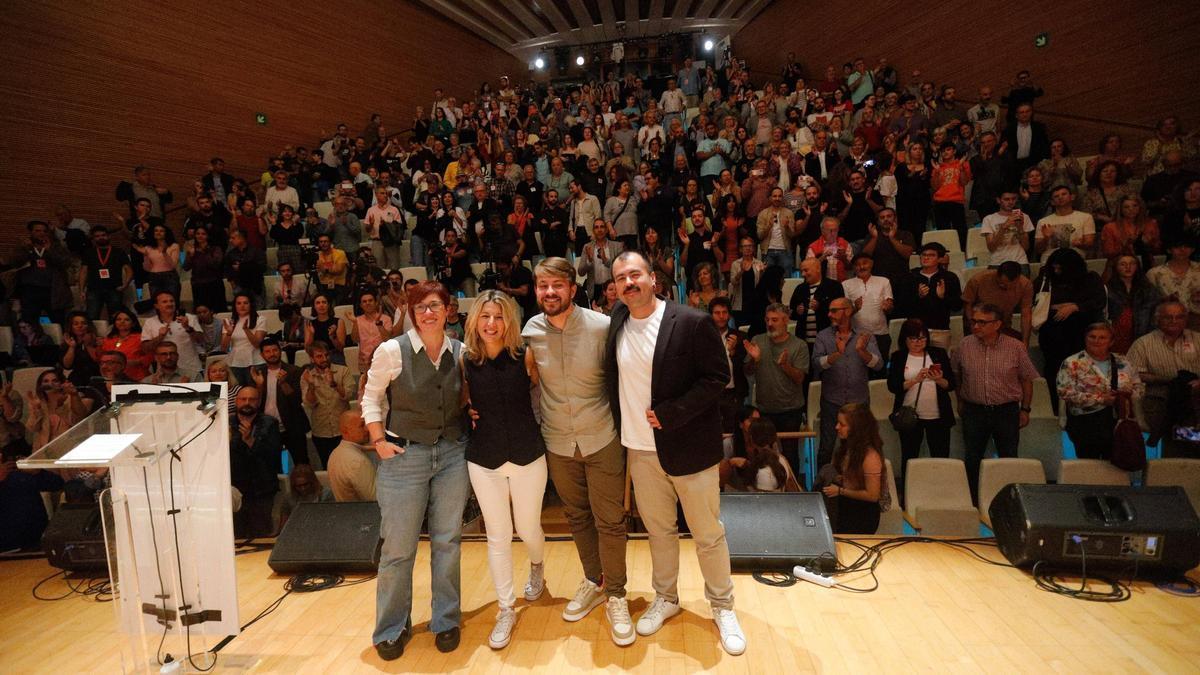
point(992, 374)
point(1151, 355)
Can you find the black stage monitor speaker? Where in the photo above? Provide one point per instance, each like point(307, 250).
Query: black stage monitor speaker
point(1112, 527)
point(775, 531)
point(327, 538)
point(74, 539)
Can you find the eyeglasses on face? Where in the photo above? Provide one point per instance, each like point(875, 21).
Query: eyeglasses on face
point(431, 307)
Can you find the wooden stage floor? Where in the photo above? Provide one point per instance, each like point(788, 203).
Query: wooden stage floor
point(937, 609)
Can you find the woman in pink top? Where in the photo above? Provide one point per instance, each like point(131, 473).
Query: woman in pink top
point(161, 261)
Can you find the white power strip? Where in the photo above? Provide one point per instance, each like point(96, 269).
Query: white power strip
point(813, 577)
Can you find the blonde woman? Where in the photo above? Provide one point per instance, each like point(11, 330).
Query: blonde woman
point(506, 456)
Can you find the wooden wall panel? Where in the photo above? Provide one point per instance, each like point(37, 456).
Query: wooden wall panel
point(93, 88)
point(1120, 63)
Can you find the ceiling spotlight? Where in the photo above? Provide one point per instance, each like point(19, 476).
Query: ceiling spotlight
point(579, 60)
point(708, 45)
point(539, 63)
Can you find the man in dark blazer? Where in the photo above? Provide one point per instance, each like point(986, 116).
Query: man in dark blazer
point(665, 368)
point(811, 299)
point(283, 400)
point(734, 341)
point(1039, 139)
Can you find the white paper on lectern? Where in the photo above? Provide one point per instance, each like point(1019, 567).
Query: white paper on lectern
point(101, 447)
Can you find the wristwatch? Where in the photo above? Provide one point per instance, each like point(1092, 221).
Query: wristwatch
point(1026, 409)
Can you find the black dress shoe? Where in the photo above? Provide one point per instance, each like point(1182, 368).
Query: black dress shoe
point(390, 650)
point(447, 640)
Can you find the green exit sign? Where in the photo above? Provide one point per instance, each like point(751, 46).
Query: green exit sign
point(1041, 40)
point(260, 118)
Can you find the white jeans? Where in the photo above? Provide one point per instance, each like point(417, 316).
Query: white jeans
point(494, 488)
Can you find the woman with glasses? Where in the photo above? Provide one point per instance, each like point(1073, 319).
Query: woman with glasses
point(919, 375)
point(413, 407)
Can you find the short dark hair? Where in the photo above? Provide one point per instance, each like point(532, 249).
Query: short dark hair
point(989, 308)
point(34, 223)
point(268, 342)
point(912, 328)
point(1009, 269)
point(719, 301)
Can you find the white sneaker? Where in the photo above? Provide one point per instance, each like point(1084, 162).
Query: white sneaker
point(537, 582)
point(506, 619)
point(658, 612)
point(733, 640)
point(587, 597)
point(618, 619)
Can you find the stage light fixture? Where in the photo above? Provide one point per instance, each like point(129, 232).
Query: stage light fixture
point(539, 63)
point(708, 45)
point(579, 60)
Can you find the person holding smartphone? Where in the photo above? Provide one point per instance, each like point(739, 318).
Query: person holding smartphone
point(919, 375)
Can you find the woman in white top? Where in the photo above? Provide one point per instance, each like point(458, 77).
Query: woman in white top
point(921, 378)
point(240, 337)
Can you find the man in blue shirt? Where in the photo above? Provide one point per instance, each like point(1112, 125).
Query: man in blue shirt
point(842, 358)
point(688, 79)
point(713, 153)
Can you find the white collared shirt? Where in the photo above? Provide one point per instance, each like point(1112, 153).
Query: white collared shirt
point(1024, 140)
point(386, 364)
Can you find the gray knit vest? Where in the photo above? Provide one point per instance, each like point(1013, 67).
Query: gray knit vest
point(425, 401)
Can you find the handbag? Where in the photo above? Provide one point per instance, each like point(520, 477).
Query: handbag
point(905, 417)
point(1128, 446)
point(1041, 305)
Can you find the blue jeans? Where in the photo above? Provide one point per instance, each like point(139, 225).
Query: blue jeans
point(784, 260)
point(426, 482)
point(417, 251)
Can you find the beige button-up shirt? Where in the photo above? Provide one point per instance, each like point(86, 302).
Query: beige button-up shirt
point(570, 362)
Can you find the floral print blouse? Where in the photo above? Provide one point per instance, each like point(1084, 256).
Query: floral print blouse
point(1082, 381)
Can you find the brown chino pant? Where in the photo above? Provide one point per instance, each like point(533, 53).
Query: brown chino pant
point(592, 489)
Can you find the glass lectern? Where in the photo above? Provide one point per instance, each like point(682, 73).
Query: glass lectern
point(167, 517)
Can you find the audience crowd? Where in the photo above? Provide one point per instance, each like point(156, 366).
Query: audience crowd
point(285, 284)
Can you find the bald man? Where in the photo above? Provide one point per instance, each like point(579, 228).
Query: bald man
point(353, 463)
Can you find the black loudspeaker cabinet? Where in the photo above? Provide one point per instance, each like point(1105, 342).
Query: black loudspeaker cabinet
point(775, 531)
point(74, 539)
point(1109, 527)
point(328, 538)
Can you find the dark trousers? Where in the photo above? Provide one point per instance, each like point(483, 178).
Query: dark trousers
point(983, 423)
point(34, 301)
point(730, 403)
point(789, 420)
point(951, 216)
point(829, 413)
point(325, 448)
point(592, 489)
point(296, 442)
point(884, 343)
point(934, 432)
point(103, 298)
point(254, 519)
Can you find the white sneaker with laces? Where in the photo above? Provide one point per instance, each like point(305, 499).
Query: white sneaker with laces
point(587, 597)
point(655, 615)
point(506, 619)
point(618, 619)
point(733, 640)
point(537, 582)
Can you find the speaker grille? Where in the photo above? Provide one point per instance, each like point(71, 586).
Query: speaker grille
point(776, 531)
point(329, 537)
